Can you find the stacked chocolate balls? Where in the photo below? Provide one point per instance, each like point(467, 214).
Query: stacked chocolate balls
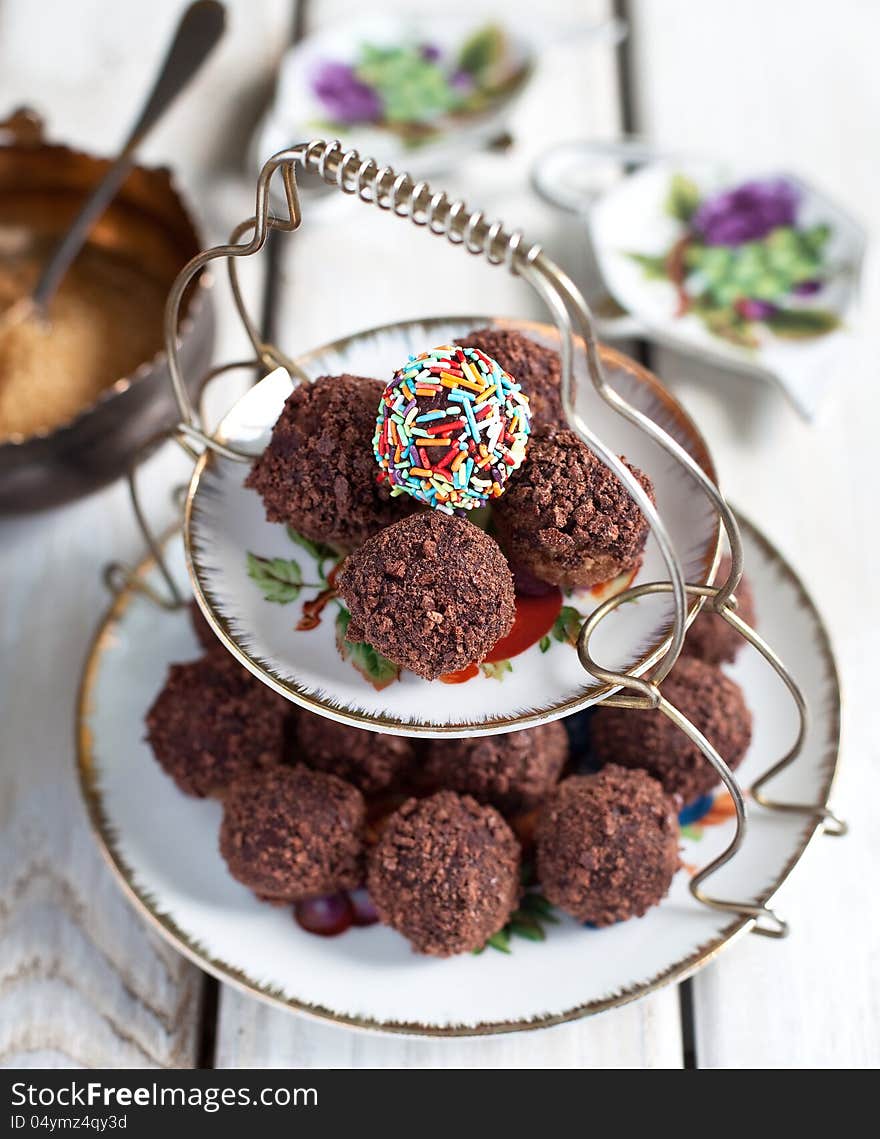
point(439, 830)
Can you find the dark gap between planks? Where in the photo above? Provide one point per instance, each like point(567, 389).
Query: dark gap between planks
point(206, 1050)
point(642, 352)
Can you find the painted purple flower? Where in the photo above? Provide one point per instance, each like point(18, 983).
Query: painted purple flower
point(751, 309)
point(345, 97)
point(746, 213)
point(462, 82)
point(807, 288)
point(430, 52)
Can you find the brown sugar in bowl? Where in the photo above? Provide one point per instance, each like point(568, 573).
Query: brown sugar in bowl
point(97, 425)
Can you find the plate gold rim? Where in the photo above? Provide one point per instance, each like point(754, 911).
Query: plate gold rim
point(677, 972)
point(292, 691)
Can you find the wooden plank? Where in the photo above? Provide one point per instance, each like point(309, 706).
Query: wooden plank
point(95, 61)
point(793, 86)
point(254, 1035)
point(332, 283)
point(83, 980)
point(575, 91)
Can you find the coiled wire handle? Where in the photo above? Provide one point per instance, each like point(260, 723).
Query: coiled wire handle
point(401, 195)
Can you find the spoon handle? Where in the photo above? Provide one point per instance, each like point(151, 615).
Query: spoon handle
point(200, 27)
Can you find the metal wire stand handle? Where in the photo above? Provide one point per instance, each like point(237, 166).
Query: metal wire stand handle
point(400, 194)
point(119, 577)
point(649, 697)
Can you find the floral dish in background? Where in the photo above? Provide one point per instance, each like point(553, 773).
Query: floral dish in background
point(753, 269)
point(744, 261)
point(416, 90)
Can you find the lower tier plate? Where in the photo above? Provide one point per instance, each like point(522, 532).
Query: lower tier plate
point(162, 846)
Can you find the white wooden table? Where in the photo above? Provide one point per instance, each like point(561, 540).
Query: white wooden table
point(82, 980)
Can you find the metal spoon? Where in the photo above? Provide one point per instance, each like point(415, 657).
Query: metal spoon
point(200, 27)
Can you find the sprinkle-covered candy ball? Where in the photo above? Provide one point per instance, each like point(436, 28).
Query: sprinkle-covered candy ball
point(452, 428)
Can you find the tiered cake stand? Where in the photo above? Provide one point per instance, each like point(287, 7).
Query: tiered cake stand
point(151, 834)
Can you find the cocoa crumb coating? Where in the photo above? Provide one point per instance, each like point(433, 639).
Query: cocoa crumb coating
point(432, 593)
point(318, 473)
point(290, 833)
point(445, 873)
point(213, 722)
point(712, 702)
point(372, 761)
point(710, 637)
point(514, 771)
point(566, 518)
point(607, 845)
point(538, 370)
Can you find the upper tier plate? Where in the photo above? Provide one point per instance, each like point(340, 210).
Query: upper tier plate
point(225, 523)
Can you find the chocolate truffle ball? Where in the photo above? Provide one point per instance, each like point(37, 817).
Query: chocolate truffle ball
point(712, 702)
point(213, 722)
point(445, 873)
point(566, 518)
point(538, 370)
point(452, 428)
point(607, 845)
point(290, 833)
point(370, 760)
point(513, 772)
point(431, 593)
point(710, 637)
point(318, 473)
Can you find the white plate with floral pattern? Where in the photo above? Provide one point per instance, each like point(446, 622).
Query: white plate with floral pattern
point(242, 566)
point(755, 269)
point(418, 90)
point(163, 847)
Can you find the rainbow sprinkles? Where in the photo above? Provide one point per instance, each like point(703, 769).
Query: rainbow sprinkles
point(452, 427)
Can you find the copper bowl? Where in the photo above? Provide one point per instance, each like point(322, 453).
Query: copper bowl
point(41, 186)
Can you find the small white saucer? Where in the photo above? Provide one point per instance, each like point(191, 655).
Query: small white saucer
point(632, 230)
